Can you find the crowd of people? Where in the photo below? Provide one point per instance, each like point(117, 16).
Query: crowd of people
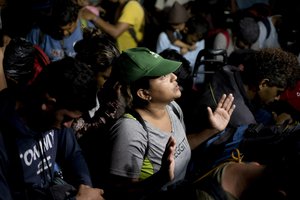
point(93, 107)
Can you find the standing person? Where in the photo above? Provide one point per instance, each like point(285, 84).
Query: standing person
point(137, 153)
point(128, 29)
point(37, 134)
point(57, 33)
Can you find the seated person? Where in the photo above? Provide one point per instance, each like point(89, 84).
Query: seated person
point(57, 33)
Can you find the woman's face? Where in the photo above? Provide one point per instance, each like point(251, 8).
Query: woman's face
point(164, 88)
point(102, 77)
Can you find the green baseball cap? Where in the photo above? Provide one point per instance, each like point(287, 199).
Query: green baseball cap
point(139, 62)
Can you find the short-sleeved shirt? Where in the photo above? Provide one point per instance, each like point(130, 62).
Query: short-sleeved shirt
point(163, 43)
point(57, 49)
point(132, 14)
point(130, 140)
point(39, 151)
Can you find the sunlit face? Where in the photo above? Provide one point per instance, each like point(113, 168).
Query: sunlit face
point(269, 94)
point(102, 77)
point(164, 88)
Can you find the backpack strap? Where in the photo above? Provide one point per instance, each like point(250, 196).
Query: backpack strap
point(139, 118)
point(267, 24)
point(135, 115)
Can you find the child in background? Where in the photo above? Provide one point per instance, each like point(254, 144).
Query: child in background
point(177, 16)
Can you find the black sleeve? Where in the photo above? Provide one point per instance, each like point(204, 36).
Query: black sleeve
point(4, 187)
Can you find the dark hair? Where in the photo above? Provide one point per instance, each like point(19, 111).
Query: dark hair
point(63, 12)
point(246, 30)
point(197, 25)
point(96, 49)
point(240, 56)
point(18, 61)
point(143, 83)
point(70, 82)
point(275, 64)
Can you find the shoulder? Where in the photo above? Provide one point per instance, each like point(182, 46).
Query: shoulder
point(132, 9)
point(34, 34)
point(133, 4)
point(126, 126)
point(163, 35)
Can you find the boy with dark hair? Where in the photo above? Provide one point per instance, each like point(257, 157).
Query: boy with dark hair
point(37, 134)
point(57, 32)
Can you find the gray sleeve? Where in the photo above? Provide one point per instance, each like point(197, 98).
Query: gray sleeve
point(129, 142)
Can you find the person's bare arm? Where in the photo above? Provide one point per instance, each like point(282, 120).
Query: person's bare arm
point(113, 30)
point(218, 119)
point(3, 83)
point(181, 44)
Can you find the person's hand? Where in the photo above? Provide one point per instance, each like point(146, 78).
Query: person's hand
point(183, 50)
point(87, 14)
point(192, 47)
point(282, 118)
point(168, 160)
point(87, 193)
point(221, 116)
